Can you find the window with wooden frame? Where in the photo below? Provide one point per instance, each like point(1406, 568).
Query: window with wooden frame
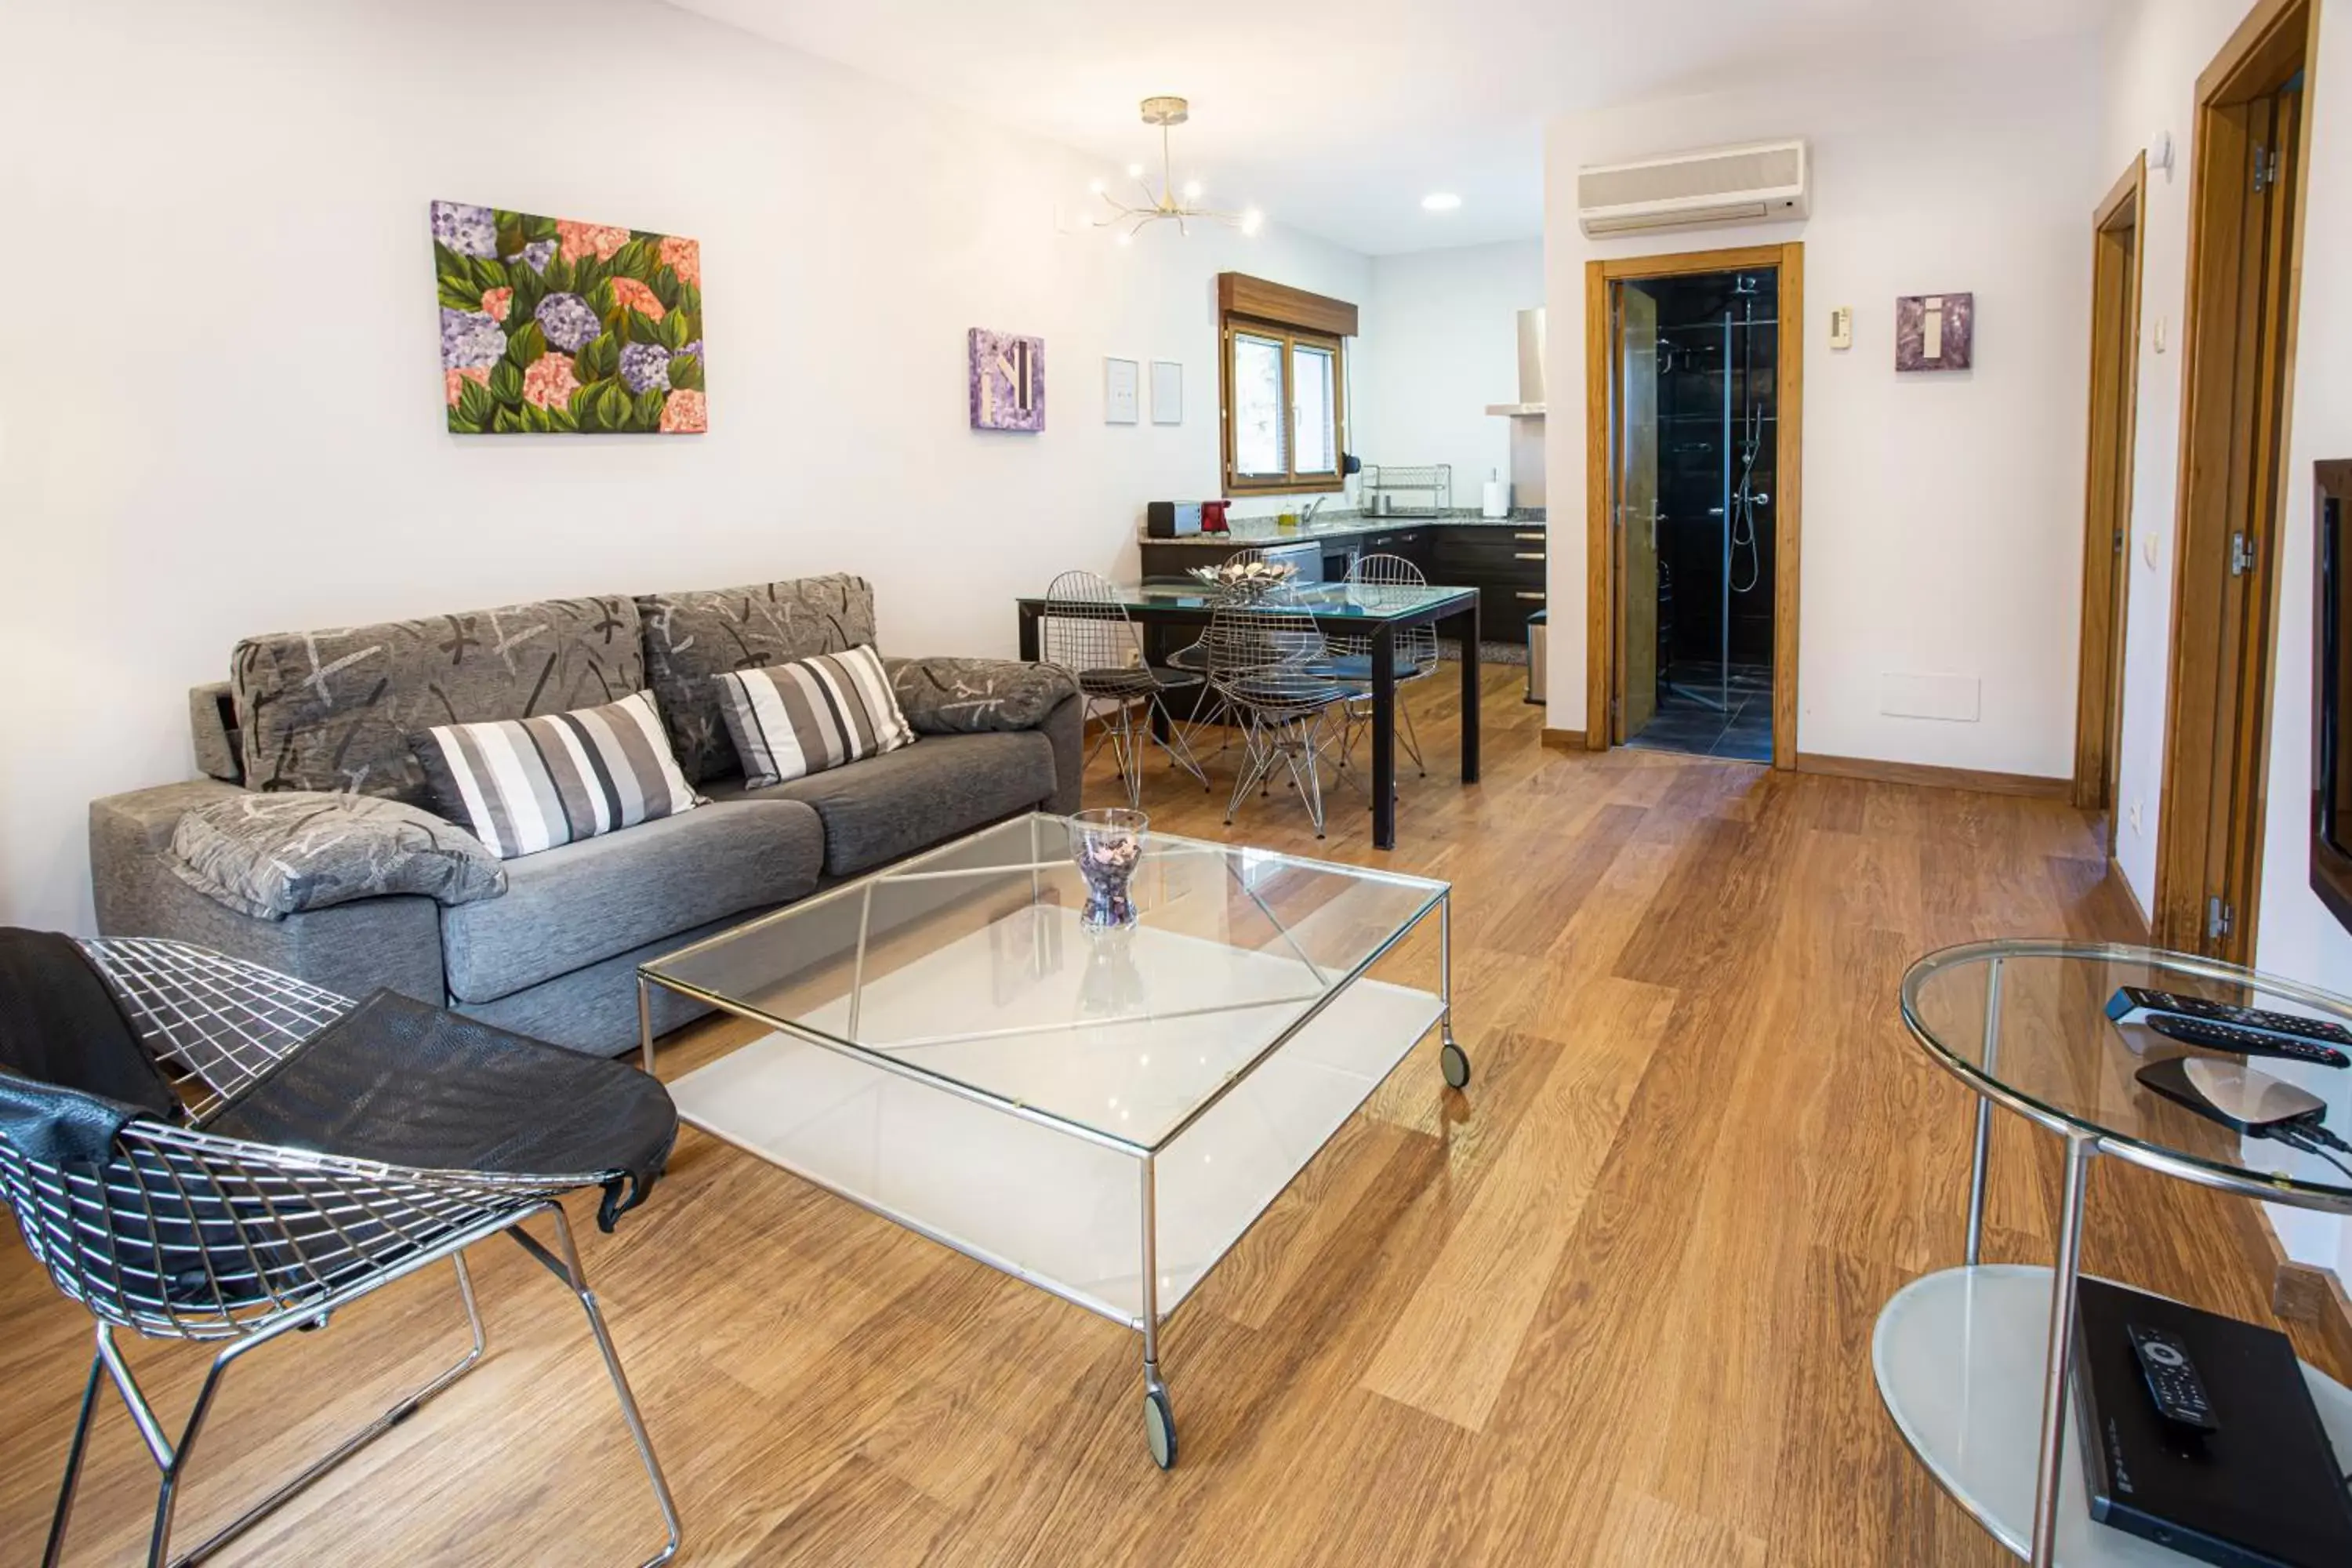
point(1282, 379)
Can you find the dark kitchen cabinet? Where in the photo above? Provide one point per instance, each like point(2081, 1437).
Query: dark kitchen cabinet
point(1412, 543)
point(1505, 561)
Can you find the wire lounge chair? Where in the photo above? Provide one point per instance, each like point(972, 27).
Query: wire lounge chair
point(264, 1200)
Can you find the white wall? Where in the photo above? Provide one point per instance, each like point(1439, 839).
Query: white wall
point(1942, 514)
point(2156, 56)
point(1443, 325)
point(221, 412)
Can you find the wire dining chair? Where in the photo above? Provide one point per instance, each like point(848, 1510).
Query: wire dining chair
point(184, 1233)
point(1193, 659)
point(1269, 661)
point(1412, 654)
point(1086, 631)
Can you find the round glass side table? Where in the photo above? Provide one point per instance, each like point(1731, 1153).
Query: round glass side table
point(1972, 1362)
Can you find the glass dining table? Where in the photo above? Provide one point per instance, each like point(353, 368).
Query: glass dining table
point(1372, 612)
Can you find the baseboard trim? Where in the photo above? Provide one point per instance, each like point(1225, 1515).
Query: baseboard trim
point(2301, 1293)
point(2030, 784)
point(1563, 739)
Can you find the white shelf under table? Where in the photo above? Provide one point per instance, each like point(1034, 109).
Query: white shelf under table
point(1959, 1357)
point(1056, 1210)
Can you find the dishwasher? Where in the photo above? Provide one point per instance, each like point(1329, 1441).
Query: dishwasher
point(1306, 555)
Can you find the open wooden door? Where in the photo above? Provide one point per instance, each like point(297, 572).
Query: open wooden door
point(1637, 510)
point(2106, 534)
point(2244, 262)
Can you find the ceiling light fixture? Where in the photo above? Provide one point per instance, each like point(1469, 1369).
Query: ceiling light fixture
point(1168, 203)
point(1440, 201)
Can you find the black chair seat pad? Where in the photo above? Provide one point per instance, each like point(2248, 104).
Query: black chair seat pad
point(1134, 681)
point(1357, 667)
point(398, 1081)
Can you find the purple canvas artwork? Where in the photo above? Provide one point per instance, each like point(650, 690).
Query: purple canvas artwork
point(1008, 380)
point(1934, 331)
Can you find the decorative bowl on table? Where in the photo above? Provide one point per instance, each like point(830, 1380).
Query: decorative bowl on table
point(1252, 579)
point(1108, 845)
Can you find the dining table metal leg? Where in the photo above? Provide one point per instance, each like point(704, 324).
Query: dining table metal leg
point(1384, 700)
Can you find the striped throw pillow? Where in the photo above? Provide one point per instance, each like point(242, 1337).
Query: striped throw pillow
point(793, 720)
point(528, 785)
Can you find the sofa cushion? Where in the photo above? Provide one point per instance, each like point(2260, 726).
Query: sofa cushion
point(523, 785)
point(968, 696)
point(889, 806)
point(691, 637)
point(571, 906)
point(806, 715)
point(271, 856)
point(333, 710)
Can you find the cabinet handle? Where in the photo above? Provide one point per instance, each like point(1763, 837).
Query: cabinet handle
point(1528, 555)
point(1535, 536)
point(1523, 594)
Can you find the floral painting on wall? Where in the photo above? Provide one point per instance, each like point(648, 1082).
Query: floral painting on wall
point(554, 327)
point(1008, 380)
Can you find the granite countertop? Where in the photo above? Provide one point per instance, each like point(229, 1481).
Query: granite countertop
point(1340, 524)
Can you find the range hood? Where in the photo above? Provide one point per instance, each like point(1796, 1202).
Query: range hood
point(1531, 404)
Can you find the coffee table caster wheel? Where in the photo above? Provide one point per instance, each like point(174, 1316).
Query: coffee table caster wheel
point(1455, 1064)
point(1159, 1427)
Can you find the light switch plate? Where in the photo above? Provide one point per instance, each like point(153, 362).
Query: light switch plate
point(1167, 392)
point(1121, 393)
point(1842, 327)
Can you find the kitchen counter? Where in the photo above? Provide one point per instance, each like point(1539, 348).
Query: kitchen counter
point(1505, 558)
point(1343, 525)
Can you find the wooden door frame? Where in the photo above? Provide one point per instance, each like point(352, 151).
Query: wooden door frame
point(1602, 671)
point(2276, 38)
point(2107, 488)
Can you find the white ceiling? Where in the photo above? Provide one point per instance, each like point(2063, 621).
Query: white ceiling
point(1336, 116)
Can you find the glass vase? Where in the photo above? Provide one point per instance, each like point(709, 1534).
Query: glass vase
point(1108, 845)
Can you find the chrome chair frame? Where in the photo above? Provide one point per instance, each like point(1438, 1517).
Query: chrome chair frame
point(1269, 662)
point(1414, 652)
point(1193, 659)
point(187, 1235)
point(1085, 629)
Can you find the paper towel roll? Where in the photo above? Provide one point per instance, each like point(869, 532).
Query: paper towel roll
point(1499, 498)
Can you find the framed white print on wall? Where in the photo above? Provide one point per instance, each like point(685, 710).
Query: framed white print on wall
point(1167, 392)
point(1120, 392)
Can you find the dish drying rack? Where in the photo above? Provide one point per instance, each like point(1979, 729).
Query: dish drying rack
point(1425, 491)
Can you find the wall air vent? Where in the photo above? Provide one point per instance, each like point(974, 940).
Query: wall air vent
point(1764, 182)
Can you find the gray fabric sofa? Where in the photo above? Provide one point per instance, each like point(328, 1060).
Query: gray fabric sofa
point(555, 954)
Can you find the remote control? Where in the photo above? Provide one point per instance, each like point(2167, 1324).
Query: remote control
point(2130, 1002)
point(2246, 1042)
point(2172, 1380)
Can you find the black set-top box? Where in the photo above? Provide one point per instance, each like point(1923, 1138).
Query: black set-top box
point(2260, 1488)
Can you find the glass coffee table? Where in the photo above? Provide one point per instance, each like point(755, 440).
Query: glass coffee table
point(1972, 1363)
point(1100, 1113)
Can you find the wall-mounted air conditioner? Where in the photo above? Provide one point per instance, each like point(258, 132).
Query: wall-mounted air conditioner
point(1763, 182)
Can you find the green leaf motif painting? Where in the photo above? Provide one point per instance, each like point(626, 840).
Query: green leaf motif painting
point(554, 327)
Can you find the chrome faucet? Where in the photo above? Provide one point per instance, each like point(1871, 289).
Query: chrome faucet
point(1306, 517)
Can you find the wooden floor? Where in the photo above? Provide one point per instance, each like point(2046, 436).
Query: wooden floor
point(1612, 1306)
